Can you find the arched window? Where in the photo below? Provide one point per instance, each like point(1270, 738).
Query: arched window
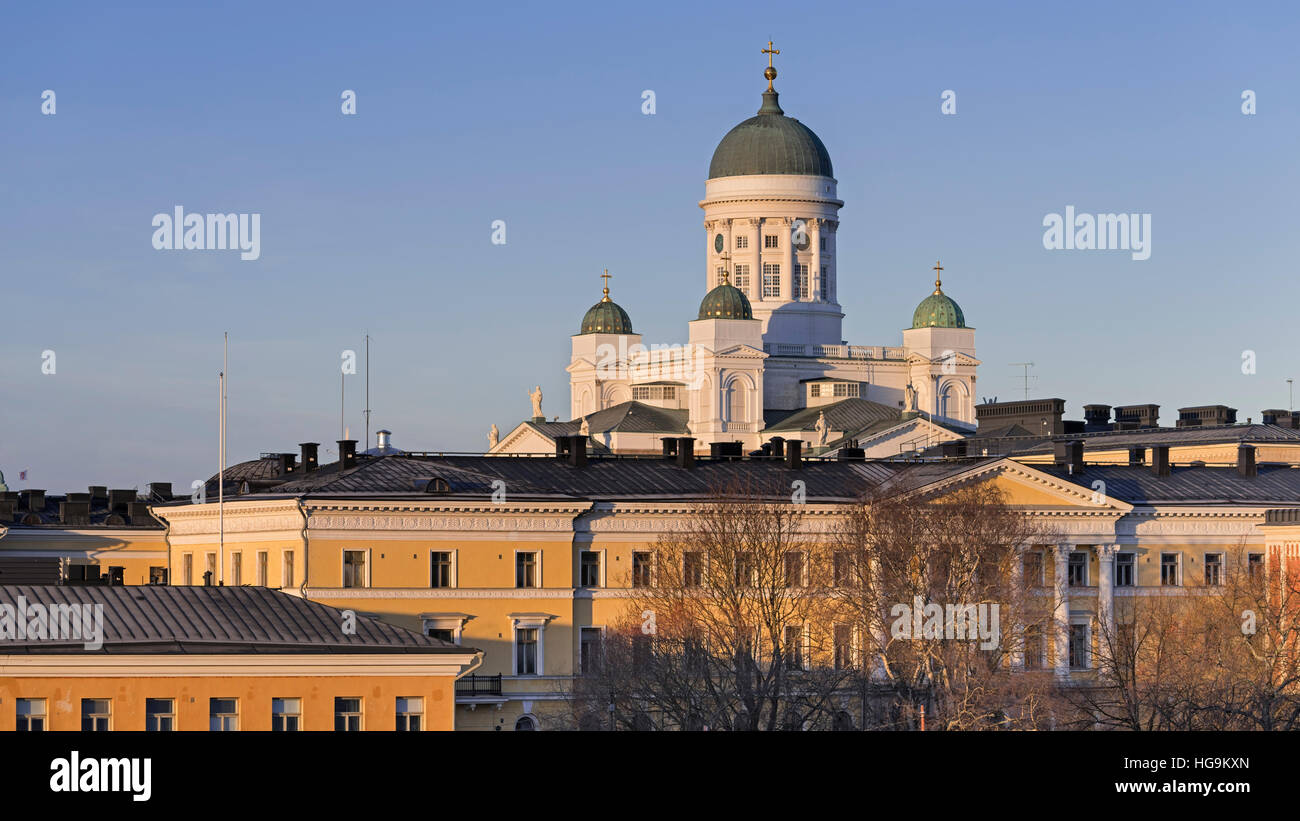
point(736, 402)
point(526, 723)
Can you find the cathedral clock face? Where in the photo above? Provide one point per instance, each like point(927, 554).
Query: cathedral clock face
point(718, 243)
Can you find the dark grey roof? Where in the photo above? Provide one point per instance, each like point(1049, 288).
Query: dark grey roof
point(602, 478)
point(156, 619)
point(48, 517)
point(1187, 485)
point(846, 414)
point(1015, 439)
point(625, 417)
point(770, 143)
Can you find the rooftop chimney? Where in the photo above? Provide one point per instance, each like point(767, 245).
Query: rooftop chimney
point(685, 452)
point(138, 514)
point(1202, 415)
point(1246, 461)
point(285, 464)
point(577, 451)
point(778, 446)
point(1160, 460)
point(98, 494)
point(74, 514)
point(852, 454)
point(1096, 416)
point(160, 491)
point(309, 460)
point(1131, 417)
point(347, 453)
point(1281, 418)
point(32, 500)
point(792, 454)
point(1069, 455)
point(119, 498)
point(669, 444)
point(726, 450)
point(1137, 456)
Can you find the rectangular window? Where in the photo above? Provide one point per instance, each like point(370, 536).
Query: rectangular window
point(223, 715)
point(693, 568)
point(1169, 569)
point(828, 283)
point(1034, 651)
point(525, 569)
point(793, 650)
point(187, 569)
point(1078, 569)
point(843, 635)
point(801, 282)
point(212, 568)
point(157, 575)
point(589, 568)
point(286, 715)
point(440, 571)
point(410, 714)
point(815, 390)
point(31, 715)
point(742, 242)
point(823, 243)
point(1214, 569)
point(286, 579)
point(354, 568)
point(771, 241)
point(347, 715)
point(641, 565)
point(262, 572)
point(742, 277)
point(159, 715)
point(526, 651)
point(1033, 569)
point(722, 274)
point(842, 568)
point(846, 389)
point(1255, 566)
point(95, 714)
point(1079, 641)
point(236, 569)
point(1125, 565)
point(793, 568)
point(746, 570)
point(590, 648)
point(771, 280)
point(443, 633)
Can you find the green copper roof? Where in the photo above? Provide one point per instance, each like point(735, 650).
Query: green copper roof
point(726, 302)
point(606, 317)
point(770, 143)
point(938, 310)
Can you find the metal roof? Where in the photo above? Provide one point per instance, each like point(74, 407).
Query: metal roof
point(155, 619)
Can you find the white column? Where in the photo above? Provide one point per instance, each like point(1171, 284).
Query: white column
point(1061, 611)
point(815, 287)
point(1018, 586)
point(1106, 590)
point(756, 256)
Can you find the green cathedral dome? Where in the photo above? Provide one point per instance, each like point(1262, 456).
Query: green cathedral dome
point(770, 143)
point(938, 310)
point(726, 302)
point(606, 316)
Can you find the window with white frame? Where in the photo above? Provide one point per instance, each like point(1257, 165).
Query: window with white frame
point(742, 241)
point(590, 647)
point(286, 715)
point(1214, 569)
point(589, 567)
point(262, 561)
point(410, 714)
point(1035, 650)
point(741, 277)
point(449, 627)
point(793, 650)
point(286, 569)
point(693, 568)
point(771, 280)
point(801, 282)
point(159, 715)
point(746, 569)
point(212, 566)
point(1170, 570)
point(223, 714)
point(722, 274)
point(527, 656)
point(842, 568)
point(1255, 566)
point(849, 389)
point(1125, 569)
point(1033, 568)
point(347, 715)
point(30, 715)
point(845, 651)
point(771, 241)
point(187, 569)
point(794, 568)
point(354, 568)
point(642, 568)
point(1078, 569)
point(442, 568)
point(96, 714)
point(1080, 646)
point(815, 390)
point(527, 569)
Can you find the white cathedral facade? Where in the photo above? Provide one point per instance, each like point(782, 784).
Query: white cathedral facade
point(765, 355)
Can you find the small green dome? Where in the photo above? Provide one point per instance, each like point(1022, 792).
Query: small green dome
point(606, 317)
point(726, 302)
point(770, 143)
point(938, 310)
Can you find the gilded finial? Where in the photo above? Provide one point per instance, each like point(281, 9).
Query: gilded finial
point(770, 71)
point(937, 283)
point(605, 276)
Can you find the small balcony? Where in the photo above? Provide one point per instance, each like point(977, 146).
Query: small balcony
point(474, 686)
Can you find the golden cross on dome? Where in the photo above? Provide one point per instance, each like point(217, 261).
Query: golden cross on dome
point(938, 269)
point(770, 72)
point(605, 276)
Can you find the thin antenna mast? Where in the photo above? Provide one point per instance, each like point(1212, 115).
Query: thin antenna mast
point(1026, 377)
point(367, 392)
point(221, 459)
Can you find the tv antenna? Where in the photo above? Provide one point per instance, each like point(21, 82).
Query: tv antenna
point(1027, 377)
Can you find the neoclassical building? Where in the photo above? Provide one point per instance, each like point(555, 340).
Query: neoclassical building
point(767, 341)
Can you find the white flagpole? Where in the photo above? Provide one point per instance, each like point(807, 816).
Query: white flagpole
point(221, 472)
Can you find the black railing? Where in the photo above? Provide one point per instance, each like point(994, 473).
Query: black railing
point(476, 685)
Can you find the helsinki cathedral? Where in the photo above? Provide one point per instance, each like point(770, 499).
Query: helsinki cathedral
point(765, 355)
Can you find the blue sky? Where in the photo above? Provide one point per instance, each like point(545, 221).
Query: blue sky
point(466, 114)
